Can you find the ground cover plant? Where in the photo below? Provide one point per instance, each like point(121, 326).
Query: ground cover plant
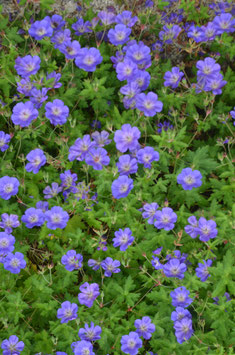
point(117, 179)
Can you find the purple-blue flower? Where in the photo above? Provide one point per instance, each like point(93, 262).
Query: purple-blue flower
point(127, 165)
point(122, 186)
point(56, 21)
point(101, 138)
point(80, 27)
point(224, 23)
point(9, 222)
point(37, 97)
point(33, 217)
point(56, 218)
point(36, 160)
point(173, 77)
point(179, 314)
point(189, 178)
point(123, 238)
point(12, 346)
point(191, 229)
point(60, 38)
point(131, 343)
point(196, 33)
point(164, 126)
point(56, 76)
point(94, 264)
point(165, 219)
point(174, 268)
point(202, 270)
point(82, 347)
point(24, 86)
point(24, 113)
point(107, 18)
point(148, 103)
point(88, 58)
point(72, 261)
point(183, 329)
point(149, 211)
point(215, 83)
point(142, 79)
point(126, 19)
point(146, 156)
point(4, 139)
point(97, 157)
point(144, 327)
point(41, 29)
point(42, 205)
point(67, 312)
point(139, 54)
point(50, 192)
point(206, 229)
point(56, 112)
point(169, 33)
point(89, 292)
point(7, 242)
point(91, 333)
point(80, 148)
point(14, 262)
point(126, 69)
point(156, 263)
point(70, 49)
point(119, 35)
point(180, 297)
point(110, 266)
point(28, 65)
point(8, 187)
point(127, 138)
point(207, 67)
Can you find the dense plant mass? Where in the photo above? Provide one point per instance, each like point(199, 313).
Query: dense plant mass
point(117, 179)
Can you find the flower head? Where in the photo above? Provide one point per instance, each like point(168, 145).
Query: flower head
point(119, 35)
point(130, 344)
point(144, 327)
point(89, 292)
point(110, 266)
point(127, 138)
point(183, 329)
point(165, 219)
point(7, 242)
point(127, 165)
point(12, 346)
point(28, 65)
point(14, 262)
point(149, 211)
point(9, 222)
point(71, 260)
point(56, 218)
point(146, 156)
point(33, 217)
point(97, 157)
point(126, 69)
point(191, 229)
point(88, 58)
point(36, 160)
point(56, 112)
point(122, 186)
point(91, 333)
point(149, 104)
point(189, 178)
point(179, 314)
point(4, 139)
point(82, 348)
point(24, 113)
point(174, 268)
point(8, 187)
point(173, 77)
point(202, 270)
point(41, 29)
point(126, 19)
point(206, 229)
point(67, 312)
point(180, 297)
point(123, 238)
point(80, 27)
